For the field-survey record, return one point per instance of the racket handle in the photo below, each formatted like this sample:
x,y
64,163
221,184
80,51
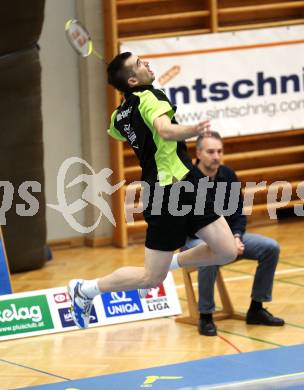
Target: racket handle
x,y
97,54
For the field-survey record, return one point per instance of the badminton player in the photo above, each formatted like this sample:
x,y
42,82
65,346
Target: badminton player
x,y
146,121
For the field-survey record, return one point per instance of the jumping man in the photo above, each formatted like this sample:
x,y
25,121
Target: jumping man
x,y
146,121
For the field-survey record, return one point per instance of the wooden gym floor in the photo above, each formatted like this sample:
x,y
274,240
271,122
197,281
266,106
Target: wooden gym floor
x,y
124,347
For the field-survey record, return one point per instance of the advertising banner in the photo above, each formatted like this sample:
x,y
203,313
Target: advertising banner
x,y
246,82
48,311
24,315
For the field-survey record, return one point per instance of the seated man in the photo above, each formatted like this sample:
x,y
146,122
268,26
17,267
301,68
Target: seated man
x,y
209,151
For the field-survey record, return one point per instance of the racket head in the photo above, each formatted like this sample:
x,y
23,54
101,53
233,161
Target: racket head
x,y
79,37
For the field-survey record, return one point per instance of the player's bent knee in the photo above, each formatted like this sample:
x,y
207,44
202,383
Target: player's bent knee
x,y
153,281
232,254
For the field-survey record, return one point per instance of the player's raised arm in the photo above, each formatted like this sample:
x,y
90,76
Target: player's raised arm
x,y
175,132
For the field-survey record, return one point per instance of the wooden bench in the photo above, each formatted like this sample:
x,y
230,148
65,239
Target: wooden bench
x,y
227,310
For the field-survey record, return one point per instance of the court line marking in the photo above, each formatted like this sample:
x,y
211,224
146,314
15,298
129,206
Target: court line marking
x,y
245,277
34,369
294,325
230,343
291,264
250,338
289,282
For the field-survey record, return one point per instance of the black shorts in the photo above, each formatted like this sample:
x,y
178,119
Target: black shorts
x,y
167,231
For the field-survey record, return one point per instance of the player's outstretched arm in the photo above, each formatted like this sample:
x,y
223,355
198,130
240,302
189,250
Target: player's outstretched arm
x,y
175,132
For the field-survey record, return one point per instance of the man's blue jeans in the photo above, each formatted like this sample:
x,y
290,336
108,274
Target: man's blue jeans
x,y
263,249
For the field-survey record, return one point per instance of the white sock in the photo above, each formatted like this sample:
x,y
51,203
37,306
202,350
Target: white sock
x,y
174,263
90,288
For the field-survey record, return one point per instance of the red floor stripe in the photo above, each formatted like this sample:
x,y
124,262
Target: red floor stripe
x,y
230,343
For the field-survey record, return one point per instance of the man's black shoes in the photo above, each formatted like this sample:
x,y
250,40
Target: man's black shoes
x,y
206,327
263,317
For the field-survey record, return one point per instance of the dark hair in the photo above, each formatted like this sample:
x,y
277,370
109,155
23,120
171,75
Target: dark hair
x,y
208,134
118,73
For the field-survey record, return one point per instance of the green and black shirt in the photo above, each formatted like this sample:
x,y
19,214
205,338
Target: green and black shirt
x,y
161,160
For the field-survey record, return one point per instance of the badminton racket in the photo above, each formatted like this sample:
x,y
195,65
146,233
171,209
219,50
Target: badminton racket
x,y
80,39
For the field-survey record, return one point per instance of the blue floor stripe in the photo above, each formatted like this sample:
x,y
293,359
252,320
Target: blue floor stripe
x,y
220,369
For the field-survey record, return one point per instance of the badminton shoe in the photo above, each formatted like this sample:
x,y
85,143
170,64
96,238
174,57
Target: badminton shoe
x,y
81,304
